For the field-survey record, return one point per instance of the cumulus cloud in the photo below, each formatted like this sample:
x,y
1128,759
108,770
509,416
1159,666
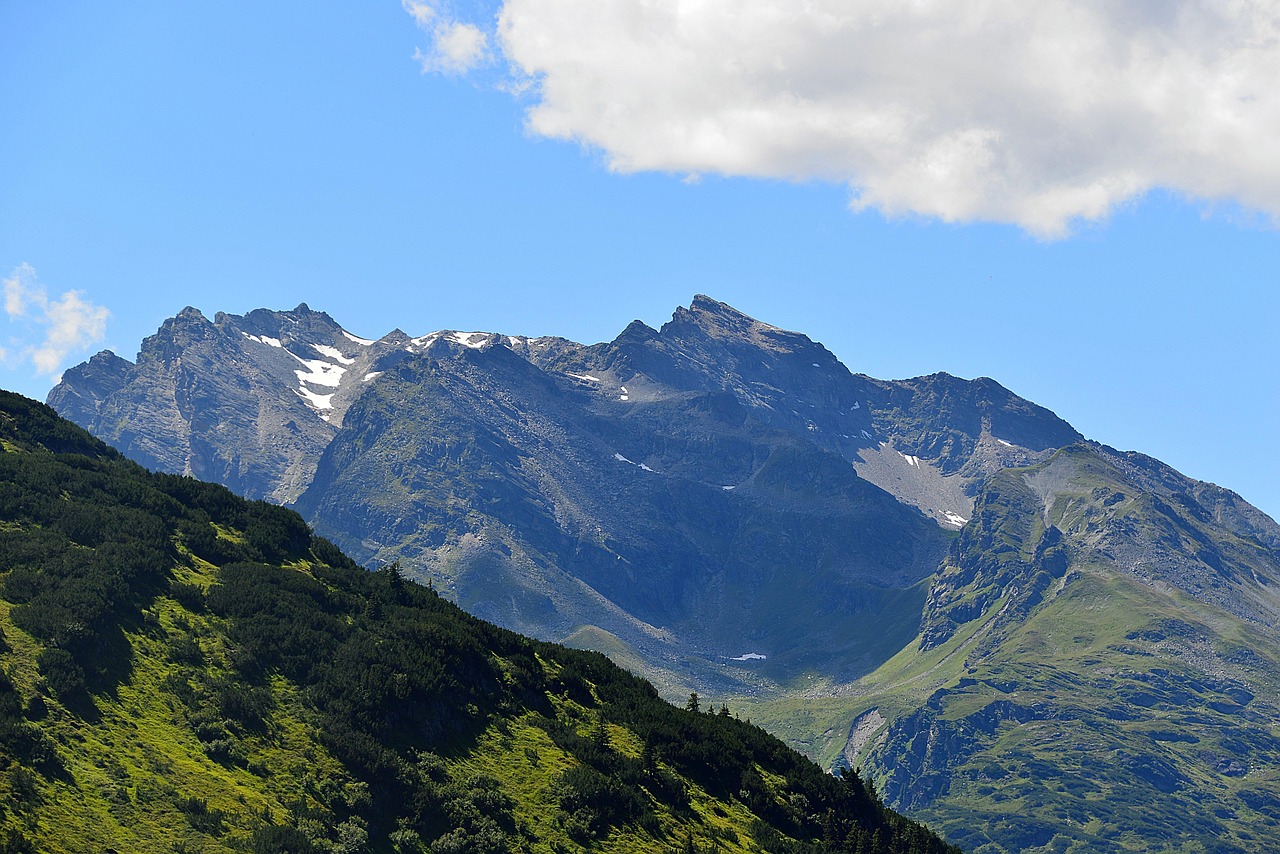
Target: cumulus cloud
x,y
64,325
1037,114
456,47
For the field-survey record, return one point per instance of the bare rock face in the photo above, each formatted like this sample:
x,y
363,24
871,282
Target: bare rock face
x,y
712,488
250,402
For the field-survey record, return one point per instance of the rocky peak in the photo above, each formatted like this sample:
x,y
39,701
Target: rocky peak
x,y
84,387
301,325
712,346
177,334
104,362
709,318
712,314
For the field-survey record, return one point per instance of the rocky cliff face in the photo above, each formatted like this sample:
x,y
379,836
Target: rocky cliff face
x,y
686,493
249,402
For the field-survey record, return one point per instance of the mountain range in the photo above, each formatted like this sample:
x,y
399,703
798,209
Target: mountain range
x,y
1033,640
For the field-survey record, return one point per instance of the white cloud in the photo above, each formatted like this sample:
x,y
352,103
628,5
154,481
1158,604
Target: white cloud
x,y
456,47
20,282
421,12
460,47
65,325
999,110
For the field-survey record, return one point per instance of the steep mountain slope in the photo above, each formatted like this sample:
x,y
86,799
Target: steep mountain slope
x,y
185,670
680,497
234,400
1098,669
953,433
672,519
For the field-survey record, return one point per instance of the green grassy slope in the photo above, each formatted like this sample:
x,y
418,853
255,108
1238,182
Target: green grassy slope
x,y
187,671
1096,672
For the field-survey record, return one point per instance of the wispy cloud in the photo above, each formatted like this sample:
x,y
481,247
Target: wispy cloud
x,y
61,326
456,46
1038,114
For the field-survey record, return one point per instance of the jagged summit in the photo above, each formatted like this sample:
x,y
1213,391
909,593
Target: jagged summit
x,y
249,401
717,419
209,389
711,312
721,320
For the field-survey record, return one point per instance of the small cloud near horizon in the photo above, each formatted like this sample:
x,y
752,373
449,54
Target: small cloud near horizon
x,y
68,324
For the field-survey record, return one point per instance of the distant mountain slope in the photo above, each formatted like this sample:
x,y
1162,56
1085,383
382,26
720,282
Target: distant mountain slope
x,y
672,519
185,670
1098,669
233,401
689,492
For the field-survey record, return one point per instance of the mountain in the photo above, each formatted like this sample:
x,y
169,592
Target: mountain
x,y
250,402
185,670
679,497
1032,640
1098,667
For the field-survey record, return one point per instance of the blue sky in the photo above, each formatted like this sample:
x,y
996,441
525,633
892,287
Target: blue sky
x,y
539,167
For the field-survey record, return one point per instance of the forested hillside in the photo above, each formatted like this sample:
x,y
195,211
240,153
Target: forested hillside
x,y
185,670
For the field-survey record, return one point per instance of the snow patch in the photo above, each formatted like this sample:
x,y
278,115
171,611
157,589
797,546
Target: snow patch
x,y
866,435
333,353
855,405
620,458
911,459
474,340
726,488
816,365
372,375
586,377
749,656
954,519
320,373
270,342
363,342
319,401
1006,444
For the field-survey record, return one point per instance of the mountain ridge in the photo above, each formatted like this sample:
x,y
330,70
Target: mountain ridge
x,y
727,508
